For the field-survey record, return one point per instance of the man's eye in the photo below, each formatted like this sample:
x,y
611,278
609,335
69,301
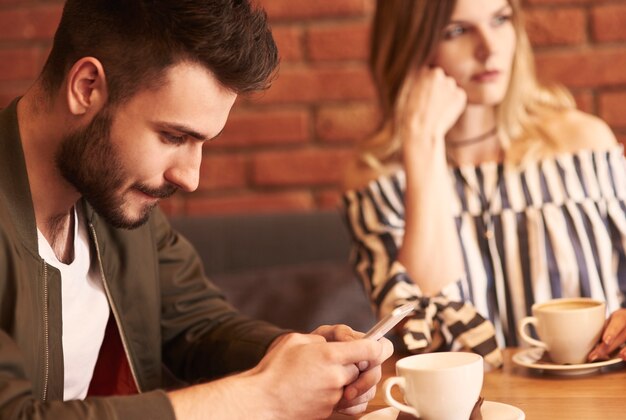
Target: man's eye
x,y
172,138
453,32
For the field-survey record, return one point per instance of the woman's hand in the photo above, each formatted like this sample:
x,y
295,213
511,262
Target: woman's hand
x,y
613,337
429,103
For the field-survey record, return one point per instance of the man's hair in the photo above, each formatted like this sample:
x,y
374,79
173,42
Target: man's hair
x,y
137,40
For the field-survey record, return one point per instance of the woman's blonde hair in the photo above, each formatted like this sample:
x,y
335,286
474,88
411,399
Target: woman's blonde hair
x,y
405,35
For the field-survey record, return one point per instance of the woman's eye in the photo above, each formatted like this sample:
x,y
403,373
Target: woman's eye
x,y
454,31
501,19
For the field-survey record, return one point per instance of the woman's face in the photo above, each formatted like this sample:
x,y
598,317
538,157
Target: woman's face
x,y
477,49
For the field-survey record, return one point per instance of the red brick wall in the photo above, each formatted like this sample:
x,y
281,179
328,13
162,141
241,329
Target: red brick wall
x,y
285,149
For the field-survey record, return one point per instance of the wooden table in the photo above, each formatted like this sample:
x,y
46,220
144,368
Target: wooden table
x,y
600,395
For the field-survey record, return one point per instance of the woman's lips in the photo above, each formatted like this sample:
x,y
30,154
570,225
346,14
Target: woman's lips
x,y
486,76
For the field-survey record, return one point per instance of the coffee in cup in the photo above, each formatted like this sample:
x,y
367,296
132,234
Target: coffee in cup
x,y
435,386
568,328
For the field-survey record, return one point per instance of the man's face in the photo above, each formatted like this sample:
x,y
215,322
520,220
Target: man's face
x,y
128,158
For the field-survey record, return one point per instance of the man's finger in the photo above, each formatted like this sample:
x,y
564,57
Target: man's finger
x,y
353,352
363,384
358,401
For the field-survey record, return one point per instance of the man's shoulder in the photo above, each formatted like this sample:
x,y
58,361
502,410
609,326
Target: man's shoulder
x,y
9,237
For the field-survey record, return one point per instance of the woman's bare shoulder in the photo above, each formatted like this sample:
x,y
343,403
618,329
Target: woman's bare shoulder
x,y
358,174
574,130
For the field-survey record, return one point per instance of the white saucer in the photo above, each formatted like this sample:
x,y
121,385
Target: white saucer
x,y
388,413
531,358
500,411
490,410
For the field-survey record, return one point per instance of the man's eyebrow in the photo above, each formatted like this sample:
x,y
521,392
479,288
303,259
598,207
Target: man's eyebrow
x,y
189,131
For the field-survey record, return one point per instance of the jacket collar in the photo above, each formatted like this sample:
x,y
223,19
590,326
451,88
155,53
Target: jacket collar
x,y
14,184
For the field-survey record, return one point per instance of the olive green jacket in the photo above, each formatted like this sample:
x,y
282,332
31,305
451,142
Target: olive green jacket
x,y
168,313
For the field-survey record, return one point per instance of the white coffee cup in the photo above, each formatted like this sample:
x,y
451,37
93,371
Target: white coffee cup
x,y
436,386
568,328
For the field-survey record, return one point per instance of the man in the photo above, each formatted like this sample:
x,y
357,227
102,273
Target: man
x,y
103,307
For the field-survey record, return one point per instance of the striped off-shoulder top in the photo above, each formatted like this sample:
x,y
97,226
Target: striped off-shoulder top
x,y
552,228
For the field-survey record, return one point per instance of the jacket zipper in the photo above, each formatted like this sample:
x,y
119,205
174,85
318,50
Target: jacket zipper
x,y
114,310
46,334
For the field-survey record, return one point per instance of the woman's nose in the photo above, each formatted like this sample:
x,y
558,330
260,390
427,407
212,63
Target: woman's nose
x,y
485,43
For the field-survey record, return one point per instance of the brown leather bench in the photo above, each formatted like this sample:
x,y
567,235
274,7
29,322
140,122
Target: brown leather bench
x,y
289,269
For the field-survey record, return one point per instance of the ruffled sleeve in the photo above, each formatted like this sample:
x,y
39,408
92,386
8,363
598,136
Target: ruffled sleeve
x,y
375,218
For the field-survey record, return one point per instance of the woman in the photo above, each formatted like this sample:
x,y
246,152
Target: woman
x,y
482,185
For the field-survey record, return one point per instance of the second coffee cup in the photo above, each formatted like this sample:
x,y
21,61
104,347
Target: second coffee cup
x,y
568,328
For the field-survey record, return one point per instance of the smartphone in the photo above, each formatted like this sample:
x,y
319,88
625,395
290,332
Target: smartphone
x,y
383,326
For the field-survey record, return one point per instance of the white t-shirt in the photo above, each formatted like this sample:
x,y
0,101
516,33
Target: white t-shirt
x,y
85,310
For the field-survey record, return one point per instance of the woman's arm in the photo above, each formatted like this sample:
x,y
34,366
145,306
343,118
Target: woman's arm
x,y
429,104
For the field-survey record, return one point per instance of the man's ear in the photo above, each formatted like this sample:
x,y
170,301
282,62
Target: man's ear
x,y
86,87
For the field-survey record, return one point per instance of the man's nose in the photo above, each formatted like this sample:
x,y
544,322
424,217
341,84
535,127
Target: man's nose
x,y
185,170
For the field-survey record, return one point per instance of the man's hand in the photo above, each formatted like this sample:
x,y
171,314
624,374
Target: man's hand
x,y
357,394
613,337
302,376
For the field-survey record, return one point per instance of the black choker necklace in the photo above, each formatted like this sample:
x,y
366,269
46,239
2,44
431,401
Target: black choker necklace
x,y
473,140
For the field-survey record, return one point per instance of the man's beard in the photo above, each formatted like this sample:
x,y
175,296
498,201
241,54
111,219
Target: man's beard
x,y
89,160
